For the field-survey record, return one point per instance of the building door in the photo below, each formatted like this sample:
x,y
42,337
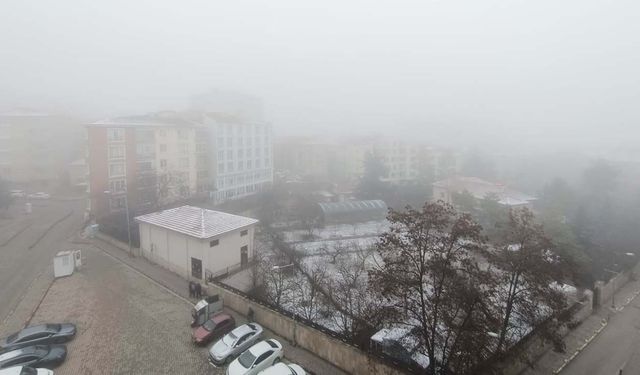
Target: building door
x,y
244,256
196,268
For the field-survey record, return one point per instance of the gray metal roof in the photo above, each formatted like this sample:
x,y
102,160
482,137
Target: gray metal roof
x,y
196,222
353,206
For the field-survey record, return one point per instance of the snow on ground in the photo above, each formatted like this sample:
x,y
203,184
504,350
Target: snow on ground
x,y
338,231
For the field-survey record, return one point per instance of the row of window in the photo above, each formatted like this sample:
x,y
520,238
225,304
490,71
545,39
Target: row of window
x,y
241,141
241,165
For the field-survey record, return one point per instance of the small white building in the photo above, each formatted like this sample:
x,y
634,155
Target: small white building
x,y
195,242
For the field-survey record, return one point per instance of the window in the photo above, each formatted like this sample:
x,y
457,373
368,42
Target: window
x,y
117,186
115,134
220,142
163,163
229,154
163,148
240,153
244,232
182,134
162,133
230,166
184,148
248,164
116,152
220,167
240,165
184,162
116,170
229,141
144,149
117,203
214,243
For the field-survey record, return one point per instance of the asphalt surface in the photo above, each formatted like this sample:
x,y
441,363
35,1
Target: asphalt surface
x,y
20,265
616,348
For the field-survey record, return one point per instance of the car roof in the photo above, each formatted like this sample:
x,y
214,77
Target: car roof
x,y
242,330
284,369
218,318
262,347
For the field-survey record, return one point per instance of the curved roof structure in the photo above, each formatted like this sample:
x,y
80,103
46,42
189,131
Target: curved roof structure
x,y
352,207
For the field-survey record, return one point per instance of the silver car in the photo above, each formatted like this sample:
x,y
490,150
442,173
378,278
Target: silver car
x,y
234,343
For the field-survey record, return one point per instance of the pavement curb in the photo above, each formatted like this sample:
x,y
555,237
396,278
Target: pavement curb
x,y
603,325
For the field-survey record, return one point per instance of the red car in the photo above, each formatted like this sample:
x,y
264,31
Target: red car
x,y
217,326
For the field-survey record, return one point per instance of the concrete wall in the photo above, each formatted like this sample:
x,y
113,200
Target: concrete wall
x,y
174,250
345,356
533,347
604,291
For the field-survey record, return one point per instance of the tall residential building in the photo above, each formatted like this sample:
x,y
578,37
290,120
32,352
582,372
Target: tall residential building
x,y
36,146
241,161
169,156
149,158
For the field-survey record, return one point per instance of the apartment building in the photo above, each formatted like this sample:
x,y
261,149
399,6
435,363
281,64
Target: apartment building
x,y
169,156
148,160
343,160
36,146
241,161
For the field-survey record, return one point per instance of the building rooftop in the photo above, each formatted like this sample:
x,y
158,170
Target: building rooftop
x,y
353,206
163,118
480,188
196,222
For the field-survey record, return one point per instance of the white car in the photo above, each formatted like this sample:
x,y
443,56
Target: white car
x,y
284,369
24,370
39,195
234,343
257,358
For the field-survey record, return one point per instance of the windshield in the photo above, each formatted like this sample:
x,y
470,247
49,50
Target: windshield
x,y
209,325
229,339
28,371
247,359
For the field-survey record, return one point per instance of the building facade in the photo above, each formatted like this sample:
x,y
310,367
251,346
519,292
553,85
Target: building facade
x,y
143,161
195,242
165,157
241,157
35,147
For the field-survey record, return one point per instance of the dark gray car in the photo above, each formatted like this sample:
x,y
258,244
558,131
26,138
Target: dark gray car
x,y
47,356
39,334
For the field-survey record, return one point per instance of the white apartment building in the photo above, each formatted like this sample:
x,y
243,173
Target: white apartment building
x,y
242,157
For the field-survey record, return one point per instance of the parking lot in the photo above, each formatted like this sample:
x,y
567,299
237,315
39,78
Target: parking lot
x,y
126,323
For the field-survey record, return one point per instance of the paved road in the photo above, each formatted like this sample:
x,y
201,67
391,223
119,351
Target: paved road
x,y
19,265
617,347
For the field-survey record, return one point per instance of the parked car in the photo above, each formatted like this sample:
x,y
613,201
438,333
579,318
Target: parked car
x,y
17,193
25,370
283,369
234,343
39,195
47,356
205,308
39,334
220,324
257,358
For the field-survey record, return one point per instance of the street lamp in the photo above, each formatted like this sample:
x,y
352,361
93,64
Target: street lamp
x,y
126,207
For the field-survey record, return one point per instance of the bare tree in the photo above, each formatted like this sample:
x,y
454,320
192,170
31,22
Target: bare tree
x,y
431,282
528,268
307,292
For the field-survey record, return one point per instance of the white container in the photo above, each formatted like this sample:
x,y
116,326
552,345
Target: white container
x,y
63,264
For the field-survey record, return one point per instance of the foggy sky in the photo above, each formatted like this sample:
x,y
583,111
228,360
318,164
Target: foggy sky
x,y
545,71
